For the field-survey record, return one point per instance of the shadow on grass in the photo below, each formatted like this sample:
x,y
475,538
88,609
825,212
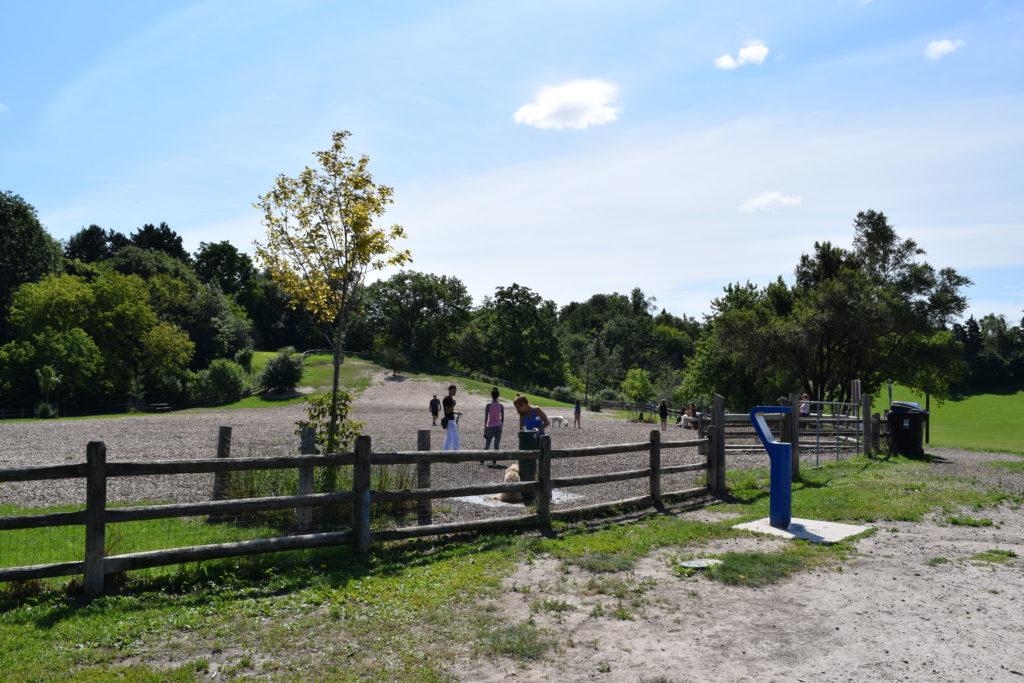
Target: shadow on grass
x,y
252,577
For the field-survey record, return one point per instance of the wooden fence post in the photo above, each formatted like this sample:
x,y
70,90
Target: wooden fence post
x,y
220,479
716,464
95,509
424,508
656,467
307,446
361,477
866,423
544,475
794,434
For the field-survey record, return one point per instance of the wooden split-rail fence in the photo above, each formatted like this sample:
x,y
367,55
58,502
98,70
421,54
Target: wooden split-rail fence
x,y
97,515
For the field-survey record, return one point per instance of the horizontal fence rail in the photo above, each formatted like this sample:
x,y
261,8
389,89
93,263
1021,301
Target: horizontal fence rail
x,y
97,514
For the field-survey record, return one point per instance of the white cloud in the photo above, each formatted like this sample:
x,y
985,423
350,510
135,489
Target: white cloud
x,y
726,62
754,52
3,107
937,49
768,201
577,104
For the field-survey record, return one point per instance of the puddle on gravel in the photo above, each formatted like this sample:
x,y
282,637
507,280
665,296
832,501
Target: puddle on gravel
x,y
557,496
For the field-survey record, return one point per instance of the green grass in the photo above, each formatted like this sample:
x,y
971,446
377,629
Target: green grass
x,y
863,490
969,521
406,611
936,561
602,562
995,556
1015,466
756,569
522,641
984,422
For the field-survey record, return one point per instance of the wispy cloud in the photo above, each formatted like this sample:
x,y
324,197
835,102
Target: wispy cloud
x,y
3,107
937,49
754,52
577,104
768,201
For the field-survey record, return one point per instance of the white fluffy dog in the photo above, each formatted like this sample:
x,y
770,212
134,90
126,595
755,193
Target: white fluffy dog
x,y
511,476
558,421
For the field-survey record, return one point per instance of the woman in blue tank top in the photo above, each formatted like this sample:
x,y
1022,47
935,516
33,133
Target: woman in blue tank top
x,y
533,418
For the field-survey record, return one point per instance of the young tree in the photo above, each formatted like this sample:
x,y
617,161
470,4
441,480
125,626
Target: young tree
x,y
321,242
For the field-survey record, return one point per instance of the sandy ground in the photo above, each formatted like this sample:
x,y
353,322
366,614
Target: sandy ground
x,y
883,616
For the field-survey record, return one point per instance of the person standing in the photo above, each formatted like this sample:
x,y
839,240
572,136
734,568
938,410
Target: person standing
x,y
532,418
435,408
494,420
449,421
576,415
663,413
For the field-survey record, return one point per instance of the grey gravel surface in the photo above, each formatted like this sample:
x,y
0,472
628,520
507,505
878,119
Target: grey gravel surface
x,y
393,411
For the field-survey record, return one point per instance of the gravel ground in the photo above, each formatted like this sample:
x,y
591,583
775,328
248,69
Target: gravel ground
x,y
393,410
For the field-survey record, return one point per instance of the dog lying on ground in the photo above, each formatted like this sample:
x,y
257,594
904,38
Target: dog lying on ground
x,y
558,421
511,476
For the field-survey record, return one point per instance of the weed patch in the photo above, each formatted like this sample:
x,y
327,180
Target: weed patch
x,y
969,521
602,562
755,569
522,641
995,556
936,561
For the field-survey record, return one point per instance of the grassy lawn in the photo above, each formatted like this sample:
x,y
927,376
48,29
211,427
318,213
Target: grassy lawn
x,y
401,613
985,422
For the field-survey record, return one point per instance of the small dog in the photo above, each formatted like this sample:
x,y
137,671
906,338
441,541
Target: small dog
x,y
511,476
558,421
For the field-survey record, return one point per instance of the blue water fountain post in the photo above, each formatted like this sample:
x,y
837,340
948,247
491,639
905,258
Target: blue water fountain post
x,y
780,502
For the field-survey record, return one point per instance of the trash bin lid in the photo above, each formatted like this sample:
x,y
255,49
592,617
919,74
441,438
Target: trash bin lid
x,y
907,407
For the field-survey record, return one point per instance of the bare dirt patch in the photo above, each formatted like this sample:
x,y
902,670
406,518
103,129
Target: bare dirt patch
x,y
886,615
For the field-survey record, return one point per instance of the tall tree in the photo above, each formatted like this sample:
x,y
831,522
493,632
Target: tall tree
x,y
160,238
321,241
27,252
872,313
223,264
93,244
418,313
518,330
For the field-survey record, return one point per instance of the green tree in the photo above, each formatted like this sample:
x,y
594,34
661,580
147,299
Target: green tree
x,y
222,263
94,244
27,252
637,386
871,313
321,241
518,328
160,238
419,314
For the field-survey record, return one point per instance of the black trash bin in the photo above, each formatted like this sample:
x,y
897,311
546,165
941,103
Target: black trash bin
x,y
906,428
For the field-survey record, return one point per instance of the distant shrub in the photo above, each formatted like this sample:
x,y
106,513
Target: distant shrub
x,y
244,358
46,411
283,372
394,360
609,395
222,380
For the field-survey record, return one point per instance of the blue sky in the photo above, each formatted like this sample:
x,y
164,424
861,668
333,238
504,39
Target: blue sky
x,y
573,147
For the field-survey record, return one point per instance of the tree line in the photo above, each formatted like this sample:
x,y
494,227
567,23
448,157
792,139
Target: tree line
x,y
105,316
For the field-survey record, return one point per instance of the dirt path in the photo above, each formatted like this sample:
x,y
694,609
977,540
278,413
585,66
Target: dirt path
x,y
886,615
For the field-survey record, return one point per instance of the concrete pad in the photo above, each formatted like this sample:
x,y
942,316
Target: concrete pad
x,y
806,530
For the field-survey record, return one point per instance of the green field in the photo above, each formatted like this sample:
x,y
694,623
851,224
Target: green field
x,y
404,612
985,422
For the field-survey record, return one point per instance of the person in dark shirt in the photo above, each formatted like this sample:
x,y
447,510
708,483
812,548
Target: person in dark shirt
x,y
663,413
435,409
450,421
